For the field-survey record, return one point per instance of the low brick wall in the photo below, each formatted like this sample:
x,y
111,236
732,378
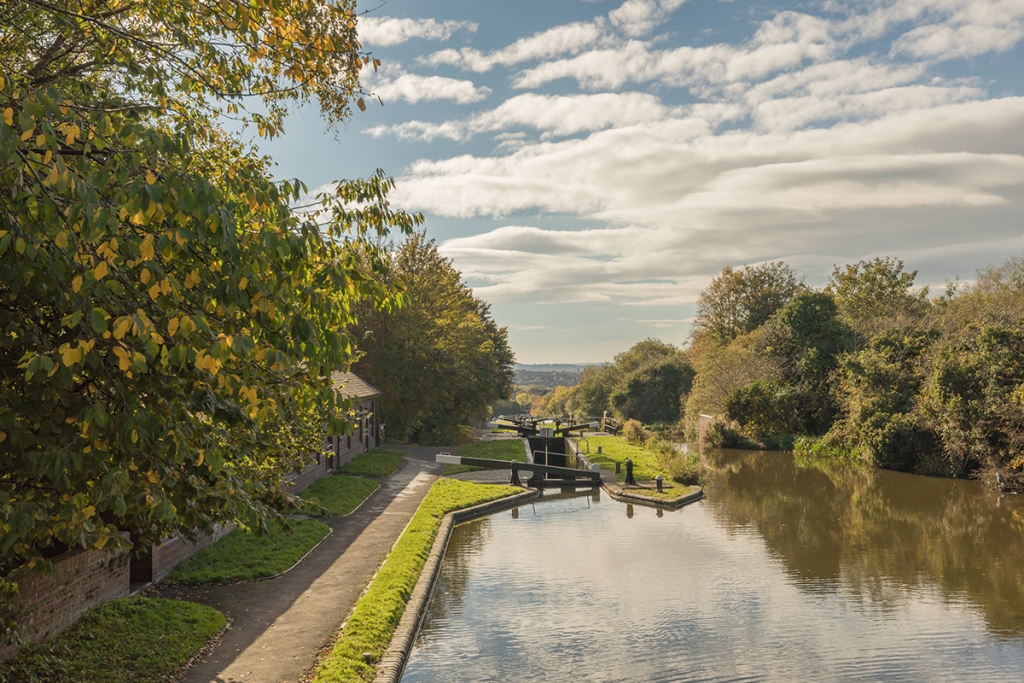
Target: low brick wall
x,y
80,580
173,551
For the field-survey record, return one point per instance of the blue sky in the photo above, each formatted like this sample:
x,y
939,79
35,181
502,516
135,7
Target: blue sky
x,y
590,165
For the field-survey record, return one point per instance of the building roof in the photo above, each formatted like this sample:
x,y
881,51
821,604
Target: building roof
x,y
352,386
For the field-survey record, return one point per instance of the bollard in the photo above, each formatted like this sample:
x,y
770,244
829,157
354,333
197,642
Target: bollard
x,y
629,511
630,480
599,449
618,467
659,481
515,474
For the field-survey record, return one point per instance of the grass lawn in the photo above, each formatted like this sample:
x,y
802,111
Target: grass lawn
x,y
677,491
378,612
242,556
646,464
128,640
340,494
507,449
380,462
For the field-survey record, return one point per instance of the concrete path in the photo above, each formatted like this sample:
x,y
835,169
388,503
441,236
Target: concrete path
x,y
279,625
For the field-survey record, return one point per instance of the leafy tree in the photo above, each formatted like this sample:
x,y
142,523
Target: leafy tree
x,y
596,385
879,390
643,353
441,360
767,409
652,393
873,295
169,321
739,301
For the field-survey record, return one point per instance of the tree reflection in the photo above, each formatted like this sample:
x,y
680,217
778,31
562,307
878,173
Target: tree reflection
x,y
877,535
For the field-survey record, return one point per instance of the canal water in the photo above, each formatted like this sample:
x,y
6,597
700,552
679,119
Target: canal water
x,y
789,570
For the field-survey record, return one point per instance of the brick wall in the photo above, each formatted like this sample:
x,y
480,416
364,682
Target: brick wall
x,y
173,551
80,580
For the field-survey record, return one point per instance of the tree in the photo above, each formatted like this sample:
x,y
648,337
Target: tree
x,y
739,301
169,320
873,295
653,393
596,384
440,361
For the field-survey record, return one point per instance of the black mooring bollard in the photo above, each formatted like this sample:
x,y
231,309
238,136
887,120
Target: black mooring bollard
x,y
660,482
618,467
515,474
629,472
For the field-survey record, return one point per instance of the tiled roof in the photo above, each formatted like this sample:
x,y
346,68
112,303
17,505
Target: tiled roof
x,y
351,386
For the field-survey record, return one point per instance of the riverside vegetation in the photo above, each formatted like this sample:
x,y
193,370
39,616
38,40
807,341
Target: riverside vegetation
x,y
870,367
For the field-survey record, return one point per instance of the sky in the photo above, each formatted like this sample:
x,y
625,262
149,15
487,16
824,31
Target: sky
x,y
590,165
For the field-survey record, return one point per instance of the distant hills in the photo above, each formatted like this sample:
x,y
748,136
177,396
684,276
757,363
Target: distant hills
x,y
545,377
551,367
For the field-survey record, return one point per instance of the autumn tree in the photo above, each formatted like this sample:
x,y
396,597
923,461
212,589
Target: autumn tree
x,y
877,294
439,361
739,300
169,318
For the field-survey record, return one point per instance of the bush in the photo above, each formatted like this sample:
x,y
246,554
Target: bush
x,y
634,432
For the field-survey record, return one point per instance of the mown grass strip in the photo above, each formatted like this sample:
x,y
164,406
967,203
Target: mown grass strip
x,y
128,640
340,494
380,462
646,464
242,556
503,449
376,615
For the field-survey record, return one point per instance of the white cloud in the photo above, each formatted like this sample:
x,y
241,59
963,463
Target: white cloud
x,y
413,88
638,17
553,115
565,39
388,31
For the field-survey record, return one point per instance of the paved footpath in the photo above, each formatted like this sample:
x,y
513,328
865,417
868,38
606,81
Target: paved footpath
x,y
279,625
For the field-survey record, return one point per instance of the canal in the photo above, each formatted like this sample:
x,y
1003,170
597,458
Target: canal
x,y
789,570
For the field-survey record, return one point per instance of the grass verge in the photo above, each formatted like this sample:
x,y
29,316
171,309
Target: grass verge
x,y
127,640
242,556
380,462
376,615
340,494
646,464
511,449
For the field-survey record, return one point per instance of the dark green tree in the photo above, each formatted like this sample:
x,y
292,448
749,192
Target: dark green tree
x,y
440,360
877,294
653,392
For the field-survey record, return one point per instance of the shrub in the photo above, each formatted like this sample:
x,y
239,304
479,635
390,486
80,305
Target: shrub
x,y
634,432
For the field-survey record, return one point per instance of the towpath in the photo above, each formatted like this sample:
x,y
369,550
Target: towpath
x,y
279,625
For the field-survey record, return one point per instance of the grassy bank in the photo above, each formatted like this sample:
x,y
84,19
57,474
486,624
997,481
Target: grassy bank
x,y
376,615
649,460
504,449
378,463
242,556
128,640
340,494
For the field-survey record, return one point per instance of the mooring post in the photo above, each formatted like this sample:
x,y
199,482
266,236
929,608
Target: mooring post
x,y
629,472
515,474
618,466
659,481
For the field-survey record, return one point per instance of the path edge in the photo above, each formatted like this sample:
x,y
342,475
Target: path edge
x,y
392,665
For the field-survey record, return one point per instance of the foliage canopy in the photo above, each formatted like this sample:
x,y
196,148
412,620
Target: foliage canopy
x,y
169,318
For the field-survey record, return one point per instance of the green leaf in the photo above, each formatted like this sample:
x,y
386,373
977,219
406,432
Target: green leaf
x,y
98,319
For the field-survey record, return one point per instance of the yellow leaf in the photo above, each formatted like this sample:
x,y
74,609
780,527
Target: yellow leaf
x,y
40,140
243,283
52,178
153,477
71,356
47,157
150,178
135,436
122,327
100,271
89,510
9,116
28,134
3,437
165,286
187,324
147,248
139,218
202,455
172,327
123,360
179,238
154,291
144,276
361,104
61,240
76,283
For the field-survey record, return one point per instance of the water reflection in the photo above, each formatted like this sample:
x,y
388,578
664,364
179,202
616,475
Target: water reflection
x,y
877,534
788,570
